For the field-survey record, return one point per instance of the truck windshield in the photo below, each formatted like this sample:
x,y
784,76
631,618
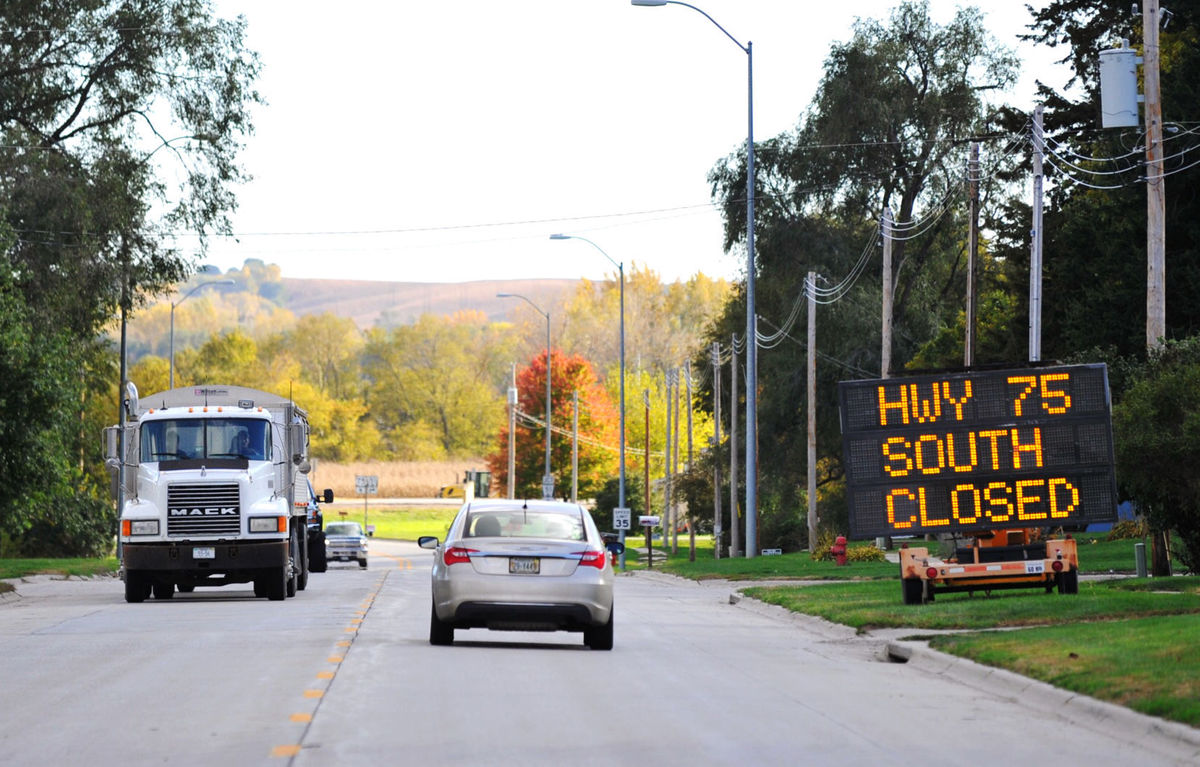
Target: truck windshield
x,y
186,438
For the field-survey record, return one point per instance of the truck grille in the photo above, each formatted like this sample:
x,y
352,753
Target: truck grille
x,y
203,510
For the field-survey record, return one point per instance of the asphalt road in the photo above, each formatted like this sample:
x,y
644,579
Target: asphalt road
x,y
343,675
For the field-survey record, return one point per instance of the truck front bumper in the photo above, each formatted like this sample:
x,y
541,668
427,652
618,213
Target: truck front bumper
x,y
227,556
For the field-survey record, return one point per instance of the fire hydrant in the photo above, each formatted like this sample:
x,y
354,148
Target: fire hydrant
x,y
838,549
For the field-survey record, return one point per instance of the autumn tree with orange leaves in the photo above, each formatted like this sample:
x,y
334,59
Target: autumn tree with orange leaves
x,y
599,421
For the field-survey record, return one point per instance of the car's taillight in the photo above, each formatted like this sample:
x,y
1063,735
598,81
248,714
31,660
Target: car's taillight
x,y
456,554
592,558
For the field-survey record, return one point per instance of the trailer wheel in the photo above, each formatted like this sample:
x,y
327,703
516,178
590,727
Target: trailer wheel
x,y
913,590
1068,582
163,589
137,586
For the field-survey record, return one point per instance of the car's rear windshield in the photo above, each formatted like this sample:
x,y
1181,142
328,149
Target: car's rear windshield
x,y
521,523
343,528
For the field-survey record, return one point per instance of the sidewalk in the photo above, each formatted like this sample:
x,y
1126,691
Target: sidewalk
x,y
898,646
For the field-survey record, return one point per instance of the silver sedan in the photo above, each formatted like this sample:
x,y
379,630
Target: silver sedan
x,y
513,565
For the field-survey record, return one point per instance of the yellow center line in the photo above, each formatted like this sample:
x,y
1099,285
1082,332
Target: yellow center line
x,y
291,750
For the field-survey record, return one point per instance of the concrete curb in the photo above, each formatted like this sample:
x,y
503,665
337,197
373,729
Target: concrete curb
x,y
1182,741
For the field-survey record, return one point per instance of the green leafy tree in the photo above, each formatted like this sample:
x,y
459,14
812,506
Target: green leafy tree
x,y
435,387
1156,431
888,127
1094,284
120,121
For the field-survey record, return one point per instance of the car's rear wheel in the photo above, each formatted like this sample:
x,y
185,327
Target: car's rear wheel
x,y
600,637
440,632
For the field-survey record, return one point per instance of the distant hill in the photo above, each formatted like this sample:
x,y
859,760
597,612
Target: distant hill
x,y
370,302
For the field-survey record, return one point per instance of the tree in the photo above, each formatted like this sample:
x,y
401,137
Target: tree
x,y
888,127
1095,216
434,387
598,424
1156,431
101,102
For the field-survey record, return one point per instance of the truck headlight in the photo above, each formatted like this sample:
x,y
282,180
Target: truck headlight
x,y
268,524
143,527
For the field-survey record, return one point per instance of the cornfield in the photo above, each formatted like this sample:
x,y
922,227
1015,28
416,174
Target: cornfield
x,y
397,479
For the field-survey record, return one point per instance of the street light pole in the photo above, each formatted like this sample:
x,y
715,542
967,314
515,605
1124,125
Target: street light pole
x,y
547,478
171,382
620,276
751,325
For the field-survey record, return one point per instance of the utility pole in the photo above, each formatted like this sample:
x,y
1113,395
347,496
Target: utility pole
x,y
716,365
646,468
972,254
811,284
885,352
575,447
735,530
687,372
1035,241
512,428
1156,309
675,465
1156,201
668,506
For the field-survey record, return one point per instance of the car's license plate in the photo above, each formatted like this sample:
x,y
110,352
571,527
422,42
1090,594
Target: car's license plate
x,y
526,565
204,552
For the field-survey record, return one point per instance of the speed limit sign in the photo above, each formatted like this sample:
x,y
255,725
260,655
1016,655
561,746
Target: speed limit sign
x,y
622,519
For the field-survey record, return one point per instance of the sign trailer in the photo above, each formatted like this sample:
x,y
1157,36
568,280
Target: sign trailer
x,y
995,454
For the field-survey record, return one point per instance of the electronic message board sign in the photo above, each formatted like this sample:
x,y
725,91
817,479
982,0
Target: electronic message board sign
x,y
979,450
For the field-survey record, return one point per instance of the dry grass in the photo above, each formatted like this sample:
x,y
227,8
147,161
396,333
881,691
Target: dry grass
x,y
397,479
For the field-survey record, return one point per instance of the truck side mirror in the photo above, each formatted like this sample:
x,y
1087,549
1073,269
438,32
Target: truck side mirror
x,y
327,496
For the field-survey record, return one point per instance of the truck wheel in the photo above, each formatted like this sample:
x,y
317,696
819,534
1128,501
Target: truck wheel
x,y
316,554
293,566
440,632
276,586
137,586
186,588
302,575
1068,582
163,590
362,563
913,590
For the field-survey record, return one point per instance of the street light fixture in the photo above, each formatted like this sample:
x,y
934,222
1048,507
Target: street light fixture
x,y
621,277
547,477
751,325
171,383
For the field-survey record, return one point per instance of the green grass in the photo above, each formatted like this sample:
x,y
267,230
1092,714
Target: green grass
x,y
402,523
877,604
798,565
17,568
1097,555
1122,661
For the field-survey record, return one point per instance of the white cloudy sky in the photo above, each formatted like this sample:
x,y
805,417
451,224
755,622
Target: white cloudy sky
x,y
443,141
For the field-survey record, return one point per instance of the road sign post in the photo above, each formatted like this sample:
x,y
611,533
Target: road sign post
x,y
365,485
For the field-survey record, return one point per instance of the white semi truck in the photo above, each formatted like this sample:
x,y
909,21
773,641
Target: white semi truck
x,y
209,480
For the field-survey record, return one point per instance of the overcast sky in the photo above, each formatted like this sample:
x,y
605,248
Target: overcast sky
x,y
444,141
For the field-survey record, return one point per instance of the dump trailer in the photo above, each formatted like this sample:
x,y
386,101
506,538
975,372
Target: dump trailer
x,y
1000,559
208,480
